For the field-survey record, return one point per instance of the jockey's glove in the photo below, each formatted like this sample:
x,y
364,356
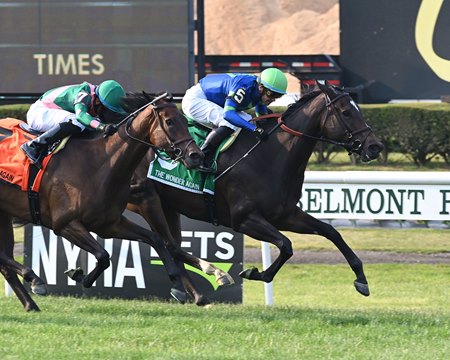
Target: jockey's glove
x,y
261,134
109,130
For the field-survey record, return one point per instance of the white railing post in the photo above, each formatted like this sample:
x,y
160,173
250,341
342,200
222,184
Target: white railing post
x,y
8,289
266,262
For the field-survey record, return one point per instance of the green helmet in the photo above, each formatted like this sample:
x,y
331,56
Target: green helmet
x,y
274,80
110,93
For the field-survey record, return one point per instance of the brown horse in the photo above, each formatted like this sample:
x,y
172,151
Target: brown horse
x,y
259,195
85,189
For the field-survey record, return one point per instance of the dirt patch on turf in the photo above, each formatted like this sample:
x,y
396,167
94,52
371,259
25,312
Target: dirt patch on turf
x,y
253,255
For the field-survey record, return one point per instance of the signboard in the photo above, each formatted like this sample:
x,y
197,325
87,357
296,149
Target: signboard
x,y
144,45
395,49
377,195
136,270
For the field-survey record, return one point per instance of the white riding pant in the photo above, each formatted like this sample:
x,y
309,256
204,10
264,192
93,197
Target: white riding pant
x,y
198,108
42,118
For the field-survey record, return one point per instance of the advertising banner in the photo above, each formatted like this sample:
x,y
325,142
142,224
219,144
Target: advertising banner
x,y
377,195
136,270
144,45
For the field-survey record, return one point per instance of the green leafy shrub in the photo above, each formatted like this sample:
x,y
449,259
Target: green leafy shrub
x,y
18,111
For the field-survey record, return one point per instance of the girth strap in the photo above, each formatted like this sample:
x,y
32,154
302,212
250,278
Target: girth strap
x,y
33,196
211,207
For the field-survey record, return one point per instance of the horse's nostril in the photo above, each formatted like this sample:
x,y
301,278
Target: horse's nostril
x,y
197,156
375,148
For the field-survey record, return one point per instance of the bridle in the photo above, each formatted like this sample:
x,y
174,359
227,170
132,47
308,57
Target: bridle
x,y
175,151
351,145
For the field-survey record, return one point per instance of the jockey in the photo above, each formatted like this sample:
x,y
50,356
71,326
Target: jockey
x,y
69,110
218,101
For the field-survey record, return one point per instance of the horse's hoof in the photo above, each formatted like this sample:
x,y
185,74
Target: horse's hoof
x,y
178,295
362,288
39,289
31,307
225,280
202,301
75,274
248,273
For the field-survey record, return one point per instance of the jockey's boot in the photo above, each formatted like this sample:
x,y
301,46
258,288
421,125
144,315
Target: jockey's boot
x,y
37,149
209,147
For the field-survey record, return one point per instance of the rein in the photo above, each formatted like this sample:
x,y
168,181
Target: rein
x,y
253,147
350,146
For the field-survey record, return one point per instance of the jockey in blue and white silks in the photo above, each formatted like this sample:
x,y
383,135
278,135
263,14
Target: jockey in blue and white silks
x,y
218,102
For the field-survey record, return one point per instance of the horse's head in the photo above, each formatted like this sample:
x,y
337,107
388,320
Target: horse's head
x,y
167,130
344,123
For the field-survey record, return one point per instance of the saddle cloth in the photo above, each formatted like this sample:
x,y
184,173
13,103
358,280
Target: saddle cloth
x,y
14,164
177,175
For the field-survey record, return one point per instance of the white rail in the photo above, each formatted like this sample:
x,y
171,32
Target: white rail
x,y
398,195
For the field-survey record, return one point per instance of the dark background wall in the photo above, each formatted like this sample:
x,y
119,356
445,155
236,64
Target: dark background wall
x,y
379,49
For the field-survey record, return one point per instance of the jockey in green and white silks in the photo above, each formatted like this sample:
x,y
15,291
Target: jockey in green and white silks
x,y
218,102
69,110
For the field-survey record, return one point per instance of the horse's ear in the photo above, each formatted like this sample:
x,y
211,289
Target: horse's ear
x,y
324,86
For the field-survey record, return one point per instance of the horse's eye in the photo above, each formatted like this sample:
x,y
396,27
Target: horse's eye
x,y
346,113
169,122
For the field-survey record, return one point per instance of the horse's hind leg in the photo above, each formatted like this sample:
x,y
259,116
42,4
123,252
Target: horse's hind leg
x,y
303,223
257,227
173,242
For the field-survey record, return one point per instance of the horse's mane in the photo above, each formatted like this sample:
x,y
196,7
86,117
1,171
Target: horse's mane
x,y
301,102
135,100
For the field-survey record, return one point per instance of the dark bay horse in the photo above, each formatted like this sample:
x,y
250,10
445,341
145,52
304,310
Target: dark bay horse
x,y
85,189
259,196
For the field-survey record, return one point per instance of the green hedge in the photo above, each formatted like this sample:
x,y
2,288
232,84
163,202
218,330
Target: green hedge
x,y
15,111
419,130
422,130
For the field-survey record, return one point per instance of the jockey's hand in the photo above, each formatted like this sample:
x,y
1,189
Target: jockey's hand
x,y
109,130
261,134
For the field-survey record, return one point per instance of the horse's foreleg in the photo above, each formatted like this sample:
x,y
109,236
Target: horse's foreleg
x,y
37,285
19,289
78,235
258,228
125,229
166,223
11,268
172,236
303,223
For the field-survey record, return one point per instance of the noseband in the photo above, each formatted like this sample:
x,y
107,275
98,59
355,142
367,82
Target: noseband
x,y
351,145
